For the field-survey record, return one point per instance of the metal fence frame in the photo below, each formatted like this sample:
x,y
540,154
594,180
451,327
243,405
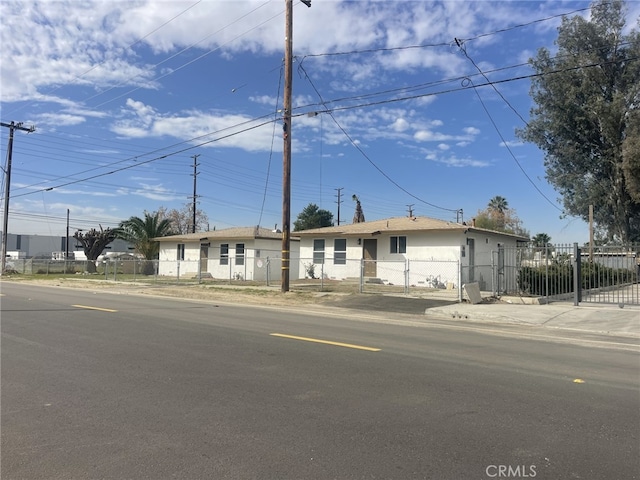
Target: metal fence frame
x,y
609,275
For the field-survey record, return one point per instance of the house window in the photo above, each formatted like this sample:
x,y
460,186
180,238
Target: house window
x,y
180,251
340,251
18,242
239,253
224,254
318,251
398,244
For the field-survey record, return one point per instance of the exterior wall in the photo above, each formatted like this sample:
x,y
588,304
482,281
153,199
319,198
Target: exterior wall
x,y
261,260
422,248
487,245
432,259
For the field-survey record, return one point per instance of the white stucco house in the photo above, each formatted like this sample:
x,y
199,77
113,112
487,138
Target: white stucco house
x,y
239,253
416,250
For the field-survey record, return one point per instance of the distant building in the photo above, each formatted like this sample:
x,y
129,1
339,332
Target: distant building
x,y
54,248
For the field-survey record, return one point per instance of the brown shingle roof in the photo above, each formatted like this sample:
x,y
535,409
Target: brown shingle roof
x,y
236,233
395,225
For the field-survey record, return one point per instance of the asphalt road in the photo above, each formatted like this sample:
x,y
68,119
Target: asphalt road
x,y
104,386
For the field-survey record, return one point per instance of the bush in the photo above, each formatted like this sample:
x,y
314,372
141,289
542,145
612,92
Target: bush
x,y
533,280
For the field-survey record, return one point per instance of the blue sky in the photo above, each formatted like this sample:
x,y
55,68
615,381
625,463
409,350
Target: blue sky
x,y
123,94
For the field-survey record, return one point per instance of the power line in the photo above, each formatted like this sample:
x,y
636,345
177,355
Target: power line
x,y
131,45
504,142
273,136
357,147
443,44
200,57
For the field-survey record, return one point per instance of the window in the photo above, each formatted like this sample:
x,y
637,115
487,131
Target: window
x,y
224,254
239,253
18,242
340,251
398,245
318,251
180,251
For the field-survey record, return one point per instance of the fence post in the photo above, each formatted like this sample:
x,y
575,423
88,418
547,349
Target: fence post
x,y
406,276
268,267
577,284
546,275
494,274
459,281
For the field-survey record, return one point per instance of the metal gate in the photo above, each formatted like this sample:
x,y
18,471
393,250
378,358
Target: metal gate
x,y
608,274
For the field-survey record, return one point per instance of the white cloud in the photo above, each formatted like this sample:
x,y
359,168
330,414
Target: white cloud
x,y
453,161
400,125
511,143
443,146
59,119
209,129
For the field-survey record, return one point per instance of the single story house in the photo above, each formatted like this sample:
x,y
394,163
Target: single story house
x,y
415,250
239,253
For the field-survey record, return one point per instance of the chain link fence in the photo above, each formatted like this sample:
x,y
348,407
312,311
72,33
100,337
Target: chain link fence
x,y
554,272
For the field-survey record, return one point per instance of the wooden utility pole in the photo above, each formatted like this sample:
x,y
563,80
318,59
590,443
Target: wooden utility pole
x,y
7,175
286,134
286,156
195,196
339,190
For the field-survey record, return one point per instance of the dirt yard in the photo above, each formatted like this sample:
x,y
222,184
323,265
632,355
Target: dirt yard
x,y
216,293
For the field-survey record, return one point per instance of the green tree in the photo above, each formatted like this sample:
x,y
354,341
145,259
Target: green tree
x,y
140,232
94,242
498,204
586,108
313,217
541,240
497,208
499,218
631,156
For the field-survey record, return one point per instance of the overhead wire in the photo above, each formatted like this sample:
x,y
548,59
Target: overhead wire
x,y
200,57
273,136
357,147
406,98
131,45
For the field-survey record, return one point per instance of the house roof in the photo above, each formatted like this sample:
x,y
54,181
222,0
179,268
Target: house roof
x,y
397,225
235,233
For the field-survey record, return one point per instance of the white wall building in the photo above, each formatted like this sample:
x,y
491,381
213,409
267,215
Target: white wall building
x,y
242,253
418,250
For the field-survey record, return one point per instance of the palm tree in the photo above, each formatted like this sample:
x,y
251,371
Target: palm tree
x,y
542,243
358,216
141,232
498,204
541,240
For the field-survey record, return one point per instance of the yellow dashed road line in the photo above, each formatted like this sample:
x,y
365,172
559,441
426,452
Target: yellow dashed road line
x,y
95,308
326,342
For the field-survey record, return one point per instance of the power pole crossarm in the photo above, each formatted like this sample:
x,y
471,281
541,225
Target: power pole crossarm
x,y
5,224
